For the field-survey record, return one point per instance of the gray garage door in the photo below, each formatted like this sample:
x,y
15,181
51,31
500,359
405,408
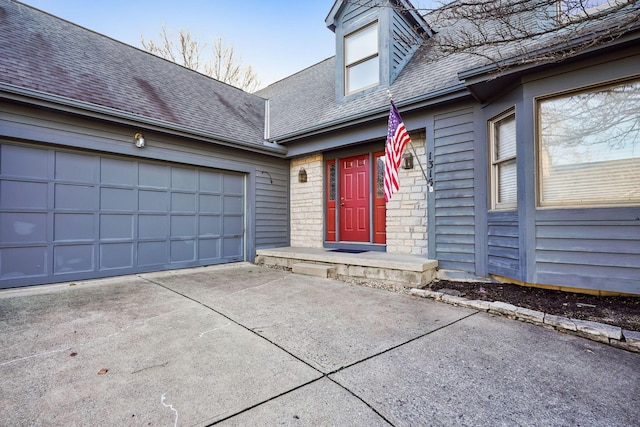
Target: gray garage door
x,y
68,215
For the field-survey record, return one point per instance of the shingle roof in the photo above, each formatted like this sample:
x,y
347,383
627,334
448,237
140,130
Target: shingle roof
x,y
50,55
306,101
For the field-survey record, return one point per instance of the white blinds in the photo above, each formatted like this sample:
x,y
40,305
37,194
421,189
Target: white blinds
x,y
589,151
505,173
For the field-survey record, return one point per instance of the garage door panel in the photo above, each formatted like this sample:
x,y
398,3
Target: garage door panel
x,y
74,167
116,256
23,262
210,204
73,196
211,182
183,225
183,251
118,199
23,162
70,227
233,184
23,195
23,227
73,259
209,249
152,253
153,227
77,215
184,179
232,247
209,225
233,226
183,202
152,200
116,226
152,175
233,204
118,172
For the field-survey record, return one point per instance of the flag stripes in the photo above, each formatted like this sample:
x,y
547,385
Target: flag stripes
x,y
397,139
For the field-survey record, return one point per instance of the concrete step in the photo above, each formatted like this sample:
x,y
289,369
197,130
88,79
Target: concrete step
x,y
408,271
317,270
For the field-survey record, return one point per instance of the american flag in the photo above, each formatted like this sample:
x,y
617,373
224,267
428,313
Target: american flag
x,y
397,138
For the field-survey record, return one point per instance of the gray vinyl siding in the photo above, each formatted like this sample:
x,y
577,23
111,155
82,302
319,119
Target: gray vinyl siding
x,y
272,205
404,44
357,11
503,244
593,249
454,190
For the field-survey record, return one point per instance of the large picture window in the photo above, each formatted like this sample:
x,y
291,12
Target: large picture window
x,y
504,172
361,60
589,147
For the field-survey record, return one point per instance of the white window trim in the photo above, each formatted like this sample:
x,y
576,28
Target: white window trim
x,y
495,163
346,65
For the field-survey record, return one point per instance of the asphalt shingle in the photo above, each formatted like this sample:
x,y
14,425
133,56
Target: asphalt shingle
x,y
307,100
47,54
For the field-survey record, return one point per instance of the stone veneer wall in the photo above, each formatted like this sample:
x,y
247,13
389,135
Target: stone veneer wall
x,y
407,209
307,203
406,212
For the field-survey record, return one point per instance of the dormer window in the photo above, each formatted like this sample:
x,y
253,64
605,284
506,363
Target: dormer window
x,y
361,59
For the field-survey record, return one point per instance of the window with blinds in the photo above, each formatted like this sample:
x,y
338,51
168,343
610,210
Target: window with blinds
x,y
589,147
504,173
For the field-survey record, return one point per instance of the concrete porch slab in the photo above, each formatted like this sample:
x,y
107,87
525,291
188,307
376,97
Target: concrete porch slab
x,y
407,270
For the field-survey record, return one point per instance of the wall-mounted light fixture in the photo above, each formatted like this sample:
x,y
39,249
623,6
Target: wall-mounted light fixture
x,y
302,175
138,140
407,160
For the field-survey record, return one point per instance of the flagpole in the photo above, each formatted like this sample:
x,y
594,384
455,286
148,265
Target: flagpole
x,y
420,164
414,152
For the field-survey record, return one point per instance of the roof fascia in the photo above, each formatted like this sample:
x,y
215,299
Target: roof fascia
x,y
405,7
433,98
410,11
93,111
330,20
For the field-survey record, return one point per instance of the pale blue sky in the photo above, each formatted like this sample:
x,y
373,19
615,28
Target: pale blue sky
x,y
276,37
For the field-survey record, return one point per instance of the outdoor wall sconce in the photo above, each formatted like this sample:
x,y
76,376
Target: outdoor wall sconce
x,y
138,140
407,161
302,175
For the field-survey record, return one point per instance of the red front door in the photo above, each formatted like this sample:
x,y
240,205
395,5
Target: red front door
x,y
355,199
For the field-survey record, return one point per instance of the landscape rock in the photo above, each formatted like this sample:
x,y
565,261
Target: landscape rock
x,y
435,295
477,304
455,300
560,322
598,330
527,315
500,307
418,292
632,339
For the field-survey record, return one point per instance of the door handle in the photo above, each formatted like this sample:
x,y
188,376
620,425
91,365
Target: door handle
x,y
341,204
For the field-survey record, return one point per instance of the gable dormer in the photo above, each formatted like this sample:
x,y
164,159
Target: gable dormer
x,y
374,41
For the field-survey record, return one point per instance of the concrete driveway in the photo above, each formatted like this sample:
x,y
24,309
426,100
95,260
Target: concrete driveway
x,y
243,345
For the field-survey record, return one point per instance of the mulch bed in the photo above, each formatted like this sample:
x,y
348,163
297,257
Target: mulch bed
x,y
616,311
